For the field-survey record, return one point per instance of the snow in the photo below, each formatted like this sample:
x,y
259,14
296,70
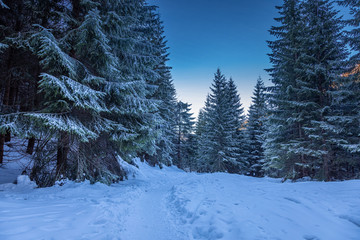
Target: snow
x,y
171,204
15,161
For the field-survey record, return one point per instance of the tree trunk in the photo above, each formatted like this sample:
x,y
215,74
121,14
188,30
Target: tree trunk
x,y
179,148
326,167
12,95
30,146
7,84
7,91
62,152
6,99
8,136
76,9
2,141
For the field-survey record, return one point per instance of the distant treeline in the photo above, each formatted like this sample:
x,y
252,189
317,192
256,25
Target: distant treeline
x,y
308,123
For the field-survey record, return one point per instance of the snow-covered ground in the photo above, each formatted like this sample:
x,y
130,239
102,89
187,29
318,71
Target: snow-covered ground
x,y
15,161
170,204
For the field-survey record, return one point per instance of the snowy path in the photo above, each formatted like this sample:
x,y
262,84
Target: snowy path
x,y
169,204
149,218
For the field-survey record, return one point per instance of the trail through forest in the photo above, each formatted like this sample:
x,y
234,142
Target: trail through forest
x,y
172,204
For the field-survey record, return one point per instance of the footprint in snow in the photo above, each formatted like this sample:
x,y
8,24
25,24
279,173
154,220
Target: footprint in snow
x,y
292,200
310,237
99,222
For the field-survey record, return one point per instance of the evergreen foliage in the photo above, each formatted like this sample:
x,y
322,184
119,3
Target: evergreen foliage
x,y
236,123
255,131
165,95
184,131
99,85
219,128
352,36
303,136
132,110
285,120
86,84
347,100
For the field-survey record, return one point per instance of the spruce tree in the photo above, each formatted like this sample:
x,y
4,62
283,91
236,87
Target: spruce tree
x,y
236,122
132,109
352,36
219,150
23,21
184,130
347,100
323,61
285,114
165,95
255,131
202,141
218,131
94,77
75,65
305,80
15,69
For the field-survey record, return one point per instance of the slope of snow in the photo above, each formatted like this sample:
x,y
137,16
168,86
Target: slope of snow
x,y
170,204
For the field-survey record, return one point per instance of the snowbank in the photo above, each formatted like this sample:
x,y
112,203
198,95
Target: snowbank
x,y
171,204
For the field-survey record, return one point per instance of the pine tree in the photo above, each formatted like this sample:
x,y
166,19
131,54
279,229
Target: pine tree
x,y
95,74
165,95
96,160
347,101
201,139
353,36
323,61
236,124
255,131
305,81
219,150
184,130
218,133
10,71
133,112
75,71
285,119
20,66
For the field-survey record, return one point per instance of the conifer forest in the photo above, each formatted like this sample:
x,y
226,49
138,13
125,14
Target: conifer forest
x,y
121,120
85,87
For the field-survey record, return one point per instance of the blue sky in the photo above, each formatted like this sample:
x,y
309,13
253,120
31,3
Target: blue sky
x,y
206,34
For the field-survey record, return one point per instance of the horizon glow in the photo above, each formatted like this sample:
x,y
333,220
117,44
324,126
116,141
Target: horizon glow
x,y
204,35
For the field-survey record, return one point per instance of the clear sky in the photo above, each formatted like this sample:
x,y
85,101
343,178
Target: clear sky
x,y
206,34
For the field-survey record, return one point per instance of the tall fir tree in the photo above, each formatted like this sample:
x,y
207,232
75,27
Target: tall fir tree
x,y
347,100
184,130
218,149
303,99
285,119
255,131
94,75
201,139
324,57
165,95
352,36
236,123
17,66
133,109
58,79
74,92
